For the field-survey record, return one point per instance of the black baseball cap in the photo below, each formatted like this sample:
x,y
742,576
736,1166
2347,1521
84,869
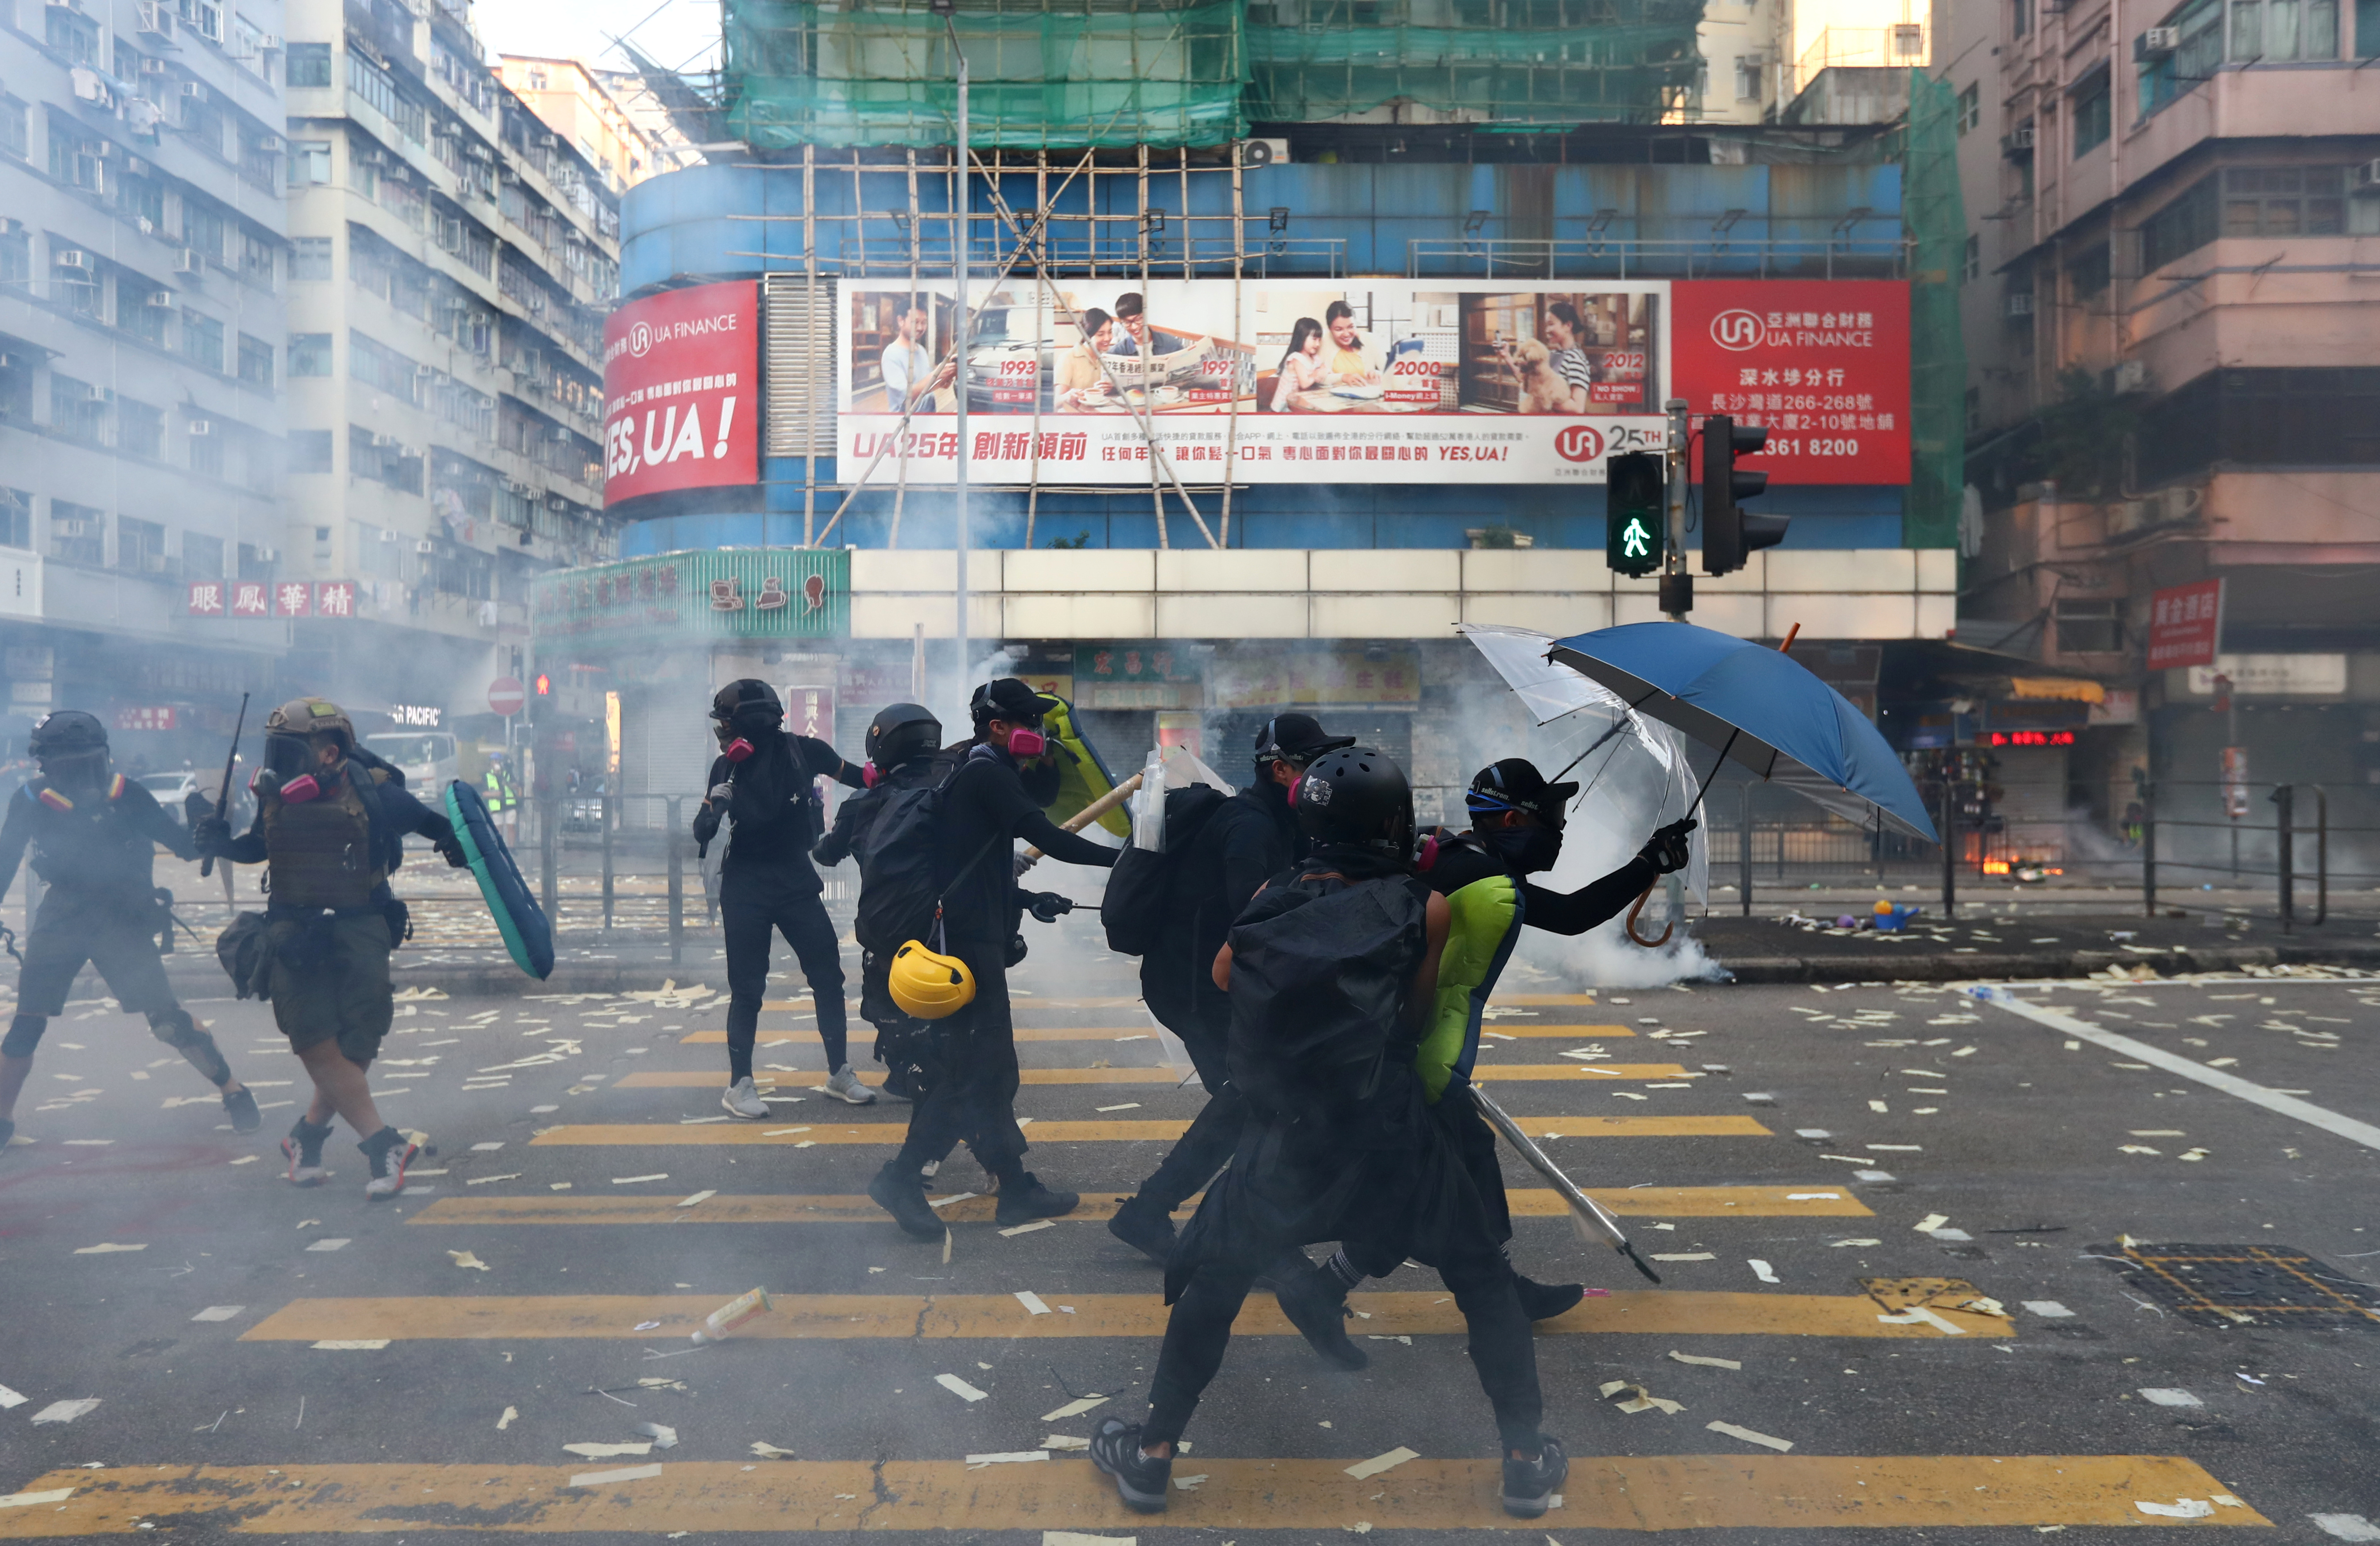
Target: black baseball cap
x,y
1297,738
1011,700
1516,783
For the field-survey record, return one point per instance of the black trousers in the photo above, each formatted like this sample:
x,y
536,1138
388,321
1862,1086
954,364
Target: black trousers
x,y
1474,1270
751,914
1205,1029
973,1097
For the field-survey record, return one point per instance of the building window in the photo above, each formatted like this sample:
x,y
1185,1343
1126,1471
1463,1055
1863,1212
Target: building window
x,y
255,362
140,430
77,412
1971,108
2094,112
15,388
15,137
256,259
309,450
139,545
2090,627
373,85
2284,202
202,340
142,308
1974,266
382,368
383,459
202,229
309,258
2089,271
206,450
2367,29
309,161
310,354
202,557
15,519
309,64
1748,71
16,258
2019,18
2270,31
2200,50
71,33
2181,227
77,534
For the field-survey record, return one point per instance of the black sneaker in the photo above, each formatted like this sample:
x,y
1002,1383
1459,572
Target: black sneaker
x,y
1529,1485
904,1197
1543,1301
387,1152
1140,1481
241,1104
1316,1306
1023,1199
1145,1228
304,1149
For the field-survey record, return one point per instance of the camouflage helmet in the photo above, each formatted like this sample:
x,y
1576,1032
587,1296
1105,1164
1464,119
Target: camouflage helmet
x,y
311,716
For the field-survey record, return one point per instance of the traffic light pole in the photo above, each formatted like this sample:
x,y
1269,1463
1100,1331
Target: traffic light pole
x,y
1677,584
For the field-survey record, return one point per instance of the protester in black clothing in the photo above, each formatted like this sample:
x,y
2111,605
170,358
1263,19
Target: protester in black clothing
x,y
1249,839
987,807
904,745
94,836
1332,970
762,781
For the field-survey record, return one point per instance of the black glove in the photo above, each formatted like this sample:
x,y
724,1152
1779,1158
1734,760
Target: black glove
x,y
1047,906
450,847
706,826
1015,949
210,835
196,807
1667,852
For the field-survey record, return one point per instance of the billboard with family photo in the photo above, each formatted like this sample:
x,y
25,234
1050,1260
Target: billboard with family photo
x,y
1364,379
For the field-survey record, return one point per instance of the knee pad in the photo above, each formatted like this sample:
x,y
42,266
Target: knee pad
x,y
175,1028
24,1035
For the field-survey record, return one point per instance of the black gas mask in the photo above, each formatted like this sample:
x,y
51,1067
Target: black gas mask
x,y
1525,851
74,773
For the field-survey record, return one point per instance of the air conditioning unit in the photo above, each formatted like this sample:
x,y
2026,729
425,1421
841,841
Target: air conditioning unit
x,y
561,435
190,260
2157,42
266,554
152,563
383,443
161,299
202,428
425,546
153,66
423,373
135,168
2020,303
155,18
192,92
2365,181
2018,142
269,40
2129,376
73,258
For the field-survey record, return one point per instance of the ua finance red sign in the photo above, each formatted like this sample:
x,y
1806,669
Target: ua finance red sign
x,y
1822,364
681,391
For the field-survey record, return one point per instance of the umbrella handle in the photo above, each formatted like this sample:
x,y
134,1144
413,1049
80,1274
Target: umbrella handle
x,y
1631,924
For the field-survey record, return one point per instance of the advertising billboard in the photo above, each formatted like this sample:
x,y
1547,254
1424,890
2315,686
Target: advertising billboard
x,y
681,391
2186,624
1389,381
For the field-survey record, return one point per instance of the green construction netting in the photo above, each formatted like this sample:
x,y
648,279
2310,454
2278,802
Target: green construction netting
x,y
1937,355
1074,75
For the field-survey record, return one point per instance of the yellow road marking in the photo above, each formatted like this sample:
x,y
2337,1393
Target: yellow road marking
x,y
1025,1004
659,1135
1623,1492
1506,1072
861,1036
1667,1202
840,1317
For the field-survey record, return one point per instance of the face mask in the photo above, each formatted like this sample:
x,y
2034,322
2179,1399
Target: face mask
x,y
299,790
1525,849
1026,743
868,775
1291,793
736,749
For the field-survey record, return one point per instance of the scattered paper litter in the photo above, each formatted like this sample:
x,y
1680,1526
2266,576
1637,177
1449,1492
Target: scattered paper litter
x,y
1008,1457
1075,1408
1190,1484
105,1249
1931,1222
781,1132
1862,1241
770,1452
1128,1105
1378,1463
2159,1395
26,1500
1643,1401
1076,1537
1748,1436
1032,1302
626,1473
1814,1197
958,1387
351,1344
954,1197
1029,1228
632,1180
1701,1362
329,1243
1762,1270
662,1435
607,1452
213,1312
2048,1309
2180,1508
483,1180
2345,1526
10,1398
66,1411
696,1198
1063,1441
464,1259
1688,1256
1918,1315
512,1414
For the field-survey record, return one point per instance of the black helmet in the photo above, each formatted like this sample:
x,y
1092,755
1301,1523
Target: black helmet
x,y
1296,738
67,733
747,704
1357,795
1008,699
901,731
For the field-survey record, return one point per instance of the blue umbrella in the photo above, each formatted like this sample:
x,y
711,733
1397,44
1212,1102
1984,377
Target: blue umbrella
x,y
1758,707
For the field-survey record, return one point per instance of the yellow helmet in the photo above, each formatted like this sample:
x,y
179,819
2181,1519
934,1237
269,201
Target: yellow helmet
x,y
929,986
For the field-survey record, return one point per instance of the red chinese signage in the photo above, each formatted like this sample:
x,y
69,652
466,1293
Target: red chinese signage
x,y
2185,625
145,719
281,598
681,391
1822,364
207,597
251,598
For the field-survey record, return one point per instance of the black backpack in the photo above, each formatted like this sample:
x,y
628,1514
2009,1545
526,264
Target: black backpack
x,y
1320,968
1139,900
898,856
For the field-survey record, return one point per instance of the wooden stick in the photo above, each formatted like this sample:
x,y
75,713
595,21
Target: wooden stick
x,y
1090,812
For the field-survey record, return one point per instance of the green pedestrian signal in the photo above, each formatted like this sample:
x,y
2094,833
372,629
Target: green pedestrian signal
x,y
1635,513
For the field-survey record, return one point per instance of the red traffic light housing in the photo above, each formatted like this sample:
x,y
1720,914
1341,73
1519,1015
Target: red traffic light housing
x,y
545,685
1732,534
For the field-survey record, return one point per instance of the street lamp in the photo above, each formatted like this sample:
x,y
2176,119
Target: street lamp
x,y
943,8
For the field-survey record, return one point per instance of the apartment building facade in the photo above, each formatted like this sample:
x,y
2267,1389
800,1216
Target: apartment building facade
x,y
2168,303
452,259
575,102
144,267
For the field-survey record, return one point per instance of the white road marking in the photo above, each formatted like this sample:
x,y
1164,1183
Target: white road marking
x,y
2306,1112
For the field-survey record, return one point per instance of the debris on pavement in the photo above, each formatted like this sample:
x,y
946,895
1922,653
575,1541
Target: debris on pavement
x,y
1378,1463
1007,1457
466,1260
66,1411
2180,1508
770,1452
628,1473
1032,1302
1701,1362
959,1387
512,1414
734,1313
662,1435
1749,1437
607,1452
1075,1409
1642,1401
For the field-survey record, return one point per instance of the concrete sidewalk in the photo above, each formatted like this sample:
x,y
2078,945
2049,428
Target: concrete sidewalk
x,y
1769,950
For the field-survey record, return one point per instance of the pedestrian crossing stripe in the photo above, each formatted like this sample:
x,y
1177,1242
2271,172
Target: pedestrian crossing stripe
x,y
665,1135
1618,1492
551,1208
1025,1003
860,1035
846,1317
1568,1073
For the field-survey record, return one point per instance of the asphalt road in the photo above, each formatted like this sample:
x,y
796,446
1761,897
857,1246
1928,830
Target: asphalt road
x,y
271,1361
